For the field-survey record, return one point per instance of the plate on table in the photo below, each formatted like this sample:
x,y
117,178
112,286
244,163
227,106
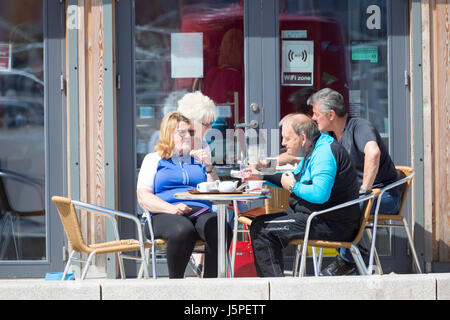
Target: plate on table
x,y
193,191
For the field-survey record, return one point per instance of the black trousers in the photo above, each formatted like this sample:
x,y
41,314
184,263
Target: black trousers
x,y
181,233
272,232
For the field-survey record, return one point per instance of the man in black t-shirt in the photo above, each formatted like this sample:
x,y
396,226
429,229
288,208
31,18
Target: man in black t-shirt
x,y
368,154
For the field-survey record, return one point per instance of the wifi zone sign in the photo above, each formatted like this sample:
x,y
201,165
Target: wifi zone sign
x,y
297,62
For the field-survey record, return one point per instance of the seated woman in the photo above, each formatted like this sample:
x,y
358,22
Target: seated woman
x,y
168,170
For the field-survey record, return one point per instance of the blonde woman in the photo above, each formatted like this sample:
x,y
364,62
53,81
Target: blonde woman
x,y
168,170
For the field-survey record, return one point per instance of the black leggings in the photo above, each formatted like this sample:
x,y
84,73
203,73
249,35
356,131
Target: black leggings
x,y
181,233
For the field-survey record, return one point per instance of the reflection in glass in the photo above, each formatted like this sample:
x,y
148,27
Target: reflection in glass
x,y
22,149
217,70
349,53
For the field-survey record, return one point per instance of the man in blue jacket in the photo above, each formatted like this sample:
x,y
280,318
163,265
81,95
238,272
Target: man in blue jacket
x,y
324,178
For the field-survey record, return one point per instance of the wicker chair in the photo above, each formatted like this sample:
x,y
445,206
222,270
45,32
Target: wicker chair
x,y
198,248
379,219
368,199
366,208
66,209
278,202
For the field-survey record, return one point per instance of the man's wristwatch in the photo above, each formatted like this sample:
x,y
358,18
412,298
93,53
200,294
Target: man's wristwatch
x,y
363,191
210,170
290,187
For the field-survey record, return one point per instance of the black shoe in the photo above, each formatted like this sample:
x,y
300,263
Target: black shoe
x,y
339,267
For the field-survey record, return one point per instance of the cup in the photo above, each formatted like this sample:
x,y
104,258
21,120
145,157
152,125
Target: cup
x,y
207,186
255,184
268,165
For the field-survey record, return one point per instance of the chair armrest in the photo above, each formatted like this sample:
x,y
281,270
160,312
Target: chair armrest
x,y
340,206
391,186
111,214
36,183
21,178
396,183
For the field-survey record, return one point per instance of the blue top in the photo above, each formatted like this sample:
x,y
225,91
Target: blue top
x,y
324,178
319,171
165,177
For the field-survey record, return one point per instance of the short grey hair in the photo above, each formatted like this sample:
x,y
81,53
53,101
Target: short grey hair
x,y
302,124
328,100
196,106
284,119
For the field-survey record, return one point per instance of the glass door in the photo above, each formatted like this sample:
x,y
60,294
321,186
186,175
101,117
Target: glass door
x,y
30,137
22,151
349,46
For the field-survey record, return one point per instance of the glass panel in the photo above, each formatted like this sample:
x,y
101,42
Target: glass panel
x,y
183,46
22,148
341,45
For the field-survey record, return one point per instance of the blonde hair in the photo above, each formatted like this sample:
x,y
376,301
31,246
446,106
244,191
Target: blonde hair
x,y
196,106
168,126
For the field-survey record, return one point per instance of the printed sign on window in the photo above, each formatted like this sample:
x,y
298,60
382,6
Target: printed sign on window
x,y
186,55
5,57
297,64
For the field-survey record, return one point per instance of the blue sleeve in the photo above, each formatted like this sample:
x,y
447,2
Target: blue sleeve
x,y
316,184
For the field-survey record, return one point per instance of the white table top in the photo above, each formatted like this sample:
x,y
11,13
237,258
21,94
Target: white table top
x,y
219,196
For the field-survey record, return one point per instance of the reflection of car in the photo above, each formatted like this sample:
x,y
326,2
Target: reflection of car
x,y
21,99
18,83
15,113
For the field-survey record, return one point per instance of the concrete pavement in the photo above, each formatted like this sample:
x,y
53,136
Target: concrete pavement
x,y
432,286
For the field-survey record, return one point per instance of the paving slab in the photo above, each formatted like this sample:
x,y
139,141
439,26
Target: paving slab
x,y
186,289
442,286
376,287
38,289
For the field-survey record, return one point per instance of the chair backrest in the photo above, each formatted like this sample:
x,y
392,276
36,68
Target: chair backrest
x,y
365,211
70,222
279,200
403,172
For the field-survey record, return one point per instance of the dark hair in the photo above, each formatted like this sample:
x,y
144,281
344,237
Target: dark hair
x,y
328,100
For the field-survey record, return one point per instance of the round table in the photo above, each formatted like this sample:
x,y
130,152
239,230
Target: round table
x,y
221,200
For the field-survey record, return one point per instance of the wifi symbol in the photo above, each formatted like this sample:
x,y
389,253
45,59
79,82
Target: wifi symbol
x,y
304,55
290,55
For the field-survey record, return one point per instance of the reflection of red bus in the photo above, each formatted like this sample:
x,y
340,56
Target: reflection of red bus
x,y
330,63
223,51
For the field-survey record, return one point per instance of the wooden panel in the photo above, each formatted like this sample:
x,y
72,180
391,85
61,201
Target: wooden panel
x,y
96,174
442,125
427,131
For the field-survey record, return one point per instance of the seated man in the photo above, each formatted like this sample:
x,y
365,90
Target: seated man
x,y
324,178
368,154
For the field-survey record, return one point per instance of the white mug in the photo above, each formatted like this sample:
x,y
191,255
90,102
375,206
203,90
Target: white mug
x,y
207,186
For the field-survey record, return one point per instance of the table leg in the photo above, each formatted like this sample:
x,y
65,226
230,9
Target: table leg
x,y
221,267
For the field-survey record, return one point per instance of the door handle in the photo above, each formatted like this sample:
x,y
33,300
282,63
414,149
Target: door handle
x,y
251,124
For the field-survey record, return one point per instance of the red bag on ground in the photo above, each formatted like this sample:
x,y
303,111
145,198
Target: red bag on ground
x,y
244,265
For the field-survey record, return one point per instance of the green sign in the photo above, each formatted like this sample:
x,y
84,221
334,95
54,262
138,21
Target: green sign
x,y
365,53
